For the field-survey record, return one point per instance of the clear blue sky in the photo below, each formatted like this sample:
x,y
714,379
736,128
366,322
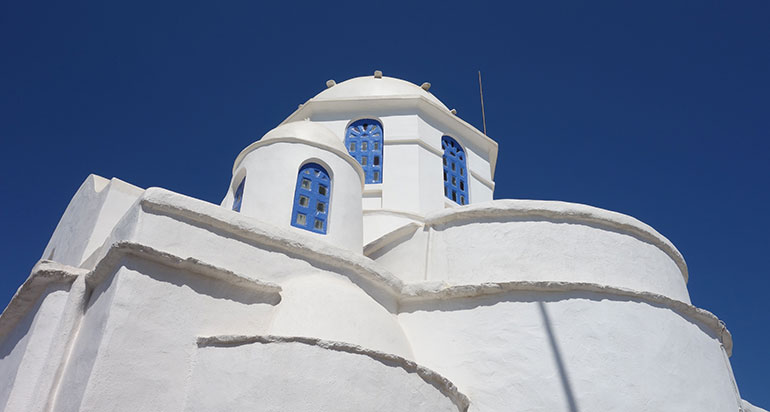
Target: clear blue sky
x,y
658,110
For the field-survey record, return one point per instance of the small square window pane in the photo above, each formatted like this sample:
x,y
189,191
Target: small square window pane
x,y
320,207
462,172
462,200
462,186
454,195
376,145
445,175
303,201
319,224
444,160
364,146
454,181
453,166
376,176
301,219
364,160
376,160
306,184
444,190
322,190
352,146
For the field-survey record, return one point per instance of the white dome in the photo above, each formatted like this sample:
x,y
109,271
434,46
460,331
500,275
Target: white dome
x,y
370,86
306,130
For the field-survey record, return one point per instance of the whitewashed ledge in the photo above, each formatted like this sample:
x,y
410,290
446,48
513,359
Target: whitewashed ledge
x,y
119,250
440,291
43,274
444,385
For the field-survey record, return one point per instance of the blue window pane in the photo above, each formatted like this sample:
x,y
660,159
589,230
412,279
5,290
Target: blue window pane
x,y
455,180
311,198
239,196
364,141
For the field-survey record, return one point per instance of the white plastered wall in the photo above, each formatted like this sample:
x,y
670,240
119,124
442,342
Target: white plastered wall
x,y
515,240
26,351
522,350
553,352
89,218
354,317
271,176
143,320
363,314
412,167
291,376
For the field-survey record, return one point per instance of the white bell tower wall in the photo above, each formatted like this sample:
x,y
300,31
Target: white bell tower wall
x,y
271,166
412,177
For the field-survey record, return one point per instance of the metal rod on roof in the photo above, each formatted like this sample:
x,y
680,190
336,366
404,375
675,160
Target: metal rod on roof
x,y
483,115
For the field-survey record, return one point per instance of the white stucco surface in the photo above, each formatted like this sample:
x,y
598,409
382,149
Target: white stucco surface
x,y
146,319
536,240
300,374
355,316
90,217
412,179
24,361
271,176
553,352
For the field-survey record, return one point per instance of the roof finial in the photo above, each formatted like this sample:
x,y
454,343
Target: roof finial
x,y
425,86
330,83
378,74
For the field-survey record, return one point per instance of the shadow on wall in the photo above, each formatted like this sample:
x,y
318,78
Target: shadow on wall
x,y
571,403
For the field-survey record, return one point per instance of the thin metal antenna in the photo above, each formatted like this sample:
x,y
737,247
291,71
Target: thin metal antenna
x,y
483,116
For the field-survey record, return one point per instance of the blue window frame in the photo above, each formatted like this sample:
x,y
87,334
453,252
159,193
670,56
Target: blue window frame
x,y
238,199
311,199
364,142
455,172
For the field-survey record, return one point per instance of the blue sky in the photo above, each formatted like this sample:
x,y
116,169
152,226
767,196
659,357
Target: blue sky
x,y
658,110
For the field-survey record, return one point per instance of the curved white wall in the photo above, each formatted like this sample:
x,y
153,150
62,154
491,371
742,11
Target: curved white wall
x,y
571,352
271,176
297,376
540,241
331,307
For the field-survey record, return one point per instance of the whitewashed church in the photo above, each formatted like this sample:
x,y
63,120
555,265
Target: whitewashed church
x,y
358,262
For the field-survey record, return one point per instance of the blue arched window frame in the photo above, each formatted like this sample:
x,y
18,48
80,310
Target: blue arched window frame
x,y
363,139
455,171
311,198
238,196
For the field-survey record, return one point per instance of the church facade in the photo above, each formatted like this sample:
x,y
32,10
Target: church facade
x,y
359,262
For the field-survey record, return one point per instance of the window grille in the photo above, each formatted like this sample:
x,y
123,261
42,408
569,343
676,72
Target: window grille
x,y
455,177
311,199
364,142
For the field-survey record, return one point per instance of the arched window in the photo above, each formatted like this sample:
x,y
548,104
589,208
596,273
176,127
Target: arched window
x,y
238,199
455,172
364,141
311,198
